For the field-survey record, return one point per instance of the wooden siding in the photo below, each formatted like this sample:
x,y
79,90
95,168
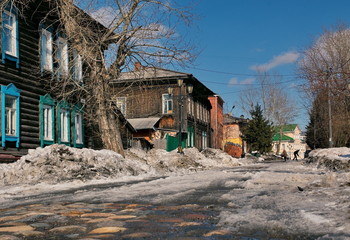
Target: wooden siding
x,y
145,100
27,78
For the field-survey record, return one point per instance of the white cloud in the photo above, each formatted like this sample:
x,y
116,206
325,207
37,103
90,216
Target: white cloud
x,y
285,58
247,81
234,81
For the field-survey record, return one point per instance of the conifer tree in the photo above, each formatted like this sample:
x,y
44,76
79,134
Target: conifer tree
x,y
259,132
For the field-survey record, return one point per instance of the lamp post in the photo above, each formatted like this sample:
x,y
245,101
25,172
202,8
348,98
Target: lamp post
x,y
183,91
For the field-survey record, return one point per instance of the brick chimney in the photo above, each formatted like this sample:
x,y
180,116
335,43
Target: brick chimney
x,y
137,66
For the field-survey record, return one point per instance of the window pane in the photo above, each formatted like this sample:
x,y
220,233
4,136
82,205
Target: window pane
x,y
167,103
64,125
48,122
10,115
121,104
62,56
46,50
9,31
78,67
78,128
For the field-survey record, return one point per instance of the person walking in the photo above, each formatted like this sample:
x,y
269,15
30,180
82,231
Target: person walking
x,y
296,155
284,155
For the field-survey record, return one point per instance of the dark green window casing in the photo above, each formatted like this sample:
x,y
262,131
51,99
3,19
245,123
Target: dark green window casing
x,y
63,123
47,120
78,126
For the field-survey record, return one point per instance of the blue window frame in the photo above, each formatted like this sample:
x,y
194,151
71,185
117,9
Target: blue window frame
x,y
47,120
63,123
167,100
10,115
46,57
78,126
9,34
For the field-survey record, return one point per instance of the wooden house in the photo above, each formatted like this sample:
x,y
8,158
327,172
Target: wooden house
x,y
31,116
163,109
35,53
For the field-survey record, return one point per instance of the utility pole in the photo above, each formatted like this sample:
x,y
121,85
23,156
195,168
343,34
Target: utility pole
x,y
329,78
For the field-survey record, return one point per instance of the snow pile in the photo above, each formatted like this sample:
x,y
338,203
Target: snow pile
x,y
163,161
211,157
333,158
59,163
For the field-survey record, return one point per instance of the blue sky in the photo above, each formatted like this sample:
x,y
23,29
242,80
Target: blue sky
x,y
236,35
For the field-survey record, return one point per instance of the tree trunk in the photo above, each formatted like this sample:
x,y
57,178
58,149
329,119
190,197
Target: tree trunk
x,y
107,119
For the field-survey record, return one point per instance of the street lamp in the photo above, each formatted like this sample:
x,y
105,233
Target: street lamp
x,y
183,91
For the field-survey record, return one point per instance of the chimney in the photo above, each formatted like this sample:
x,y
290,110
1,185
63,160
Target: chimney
x,y
137,66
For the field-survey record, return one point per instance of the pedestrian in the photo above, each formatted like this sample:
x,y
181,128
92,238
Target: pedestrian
x,y
284,155
296,155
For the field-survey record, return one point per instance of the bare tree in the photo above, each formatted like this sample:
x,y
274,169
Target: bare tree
x,y
128,31
277,104
326,67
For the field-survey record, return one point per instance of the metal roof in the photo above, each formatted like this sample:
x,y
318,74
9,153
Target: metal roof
x,y
143,123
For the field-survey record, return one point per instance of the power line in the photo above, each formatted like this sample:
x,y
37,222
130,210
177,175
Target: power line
x,y
244,74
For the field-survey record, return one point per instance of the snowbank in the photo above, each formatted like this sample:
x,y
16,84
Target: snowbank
x,y
59,163
333,158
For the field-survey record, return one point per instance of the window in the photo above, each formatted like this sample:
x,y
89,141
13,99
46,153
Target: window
x,y
204,140
63,123
167,104
78,128
10,36
47,120
10,114
62,56
121,104
46,50
77,67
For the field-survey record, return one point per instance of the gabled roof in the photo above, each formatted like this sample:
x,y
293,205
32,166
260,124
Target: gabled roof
x,y
146,73
287,128
277,137
161,75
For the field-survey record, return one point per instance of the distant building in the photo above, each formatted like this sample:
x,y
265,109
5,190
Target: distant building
x,y
217,121
232,140
165,114
291,139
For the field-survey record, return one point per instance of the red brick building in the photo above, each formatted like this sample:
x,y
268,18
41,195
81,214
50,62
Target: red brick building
x,y
217,121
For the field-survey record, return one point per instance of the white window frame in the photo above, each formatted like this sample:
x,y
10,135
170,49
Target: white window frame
x,y
46,50
48,121
79,127
166,103
78,66
64,117
10,116
62,56
13,33
121,104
